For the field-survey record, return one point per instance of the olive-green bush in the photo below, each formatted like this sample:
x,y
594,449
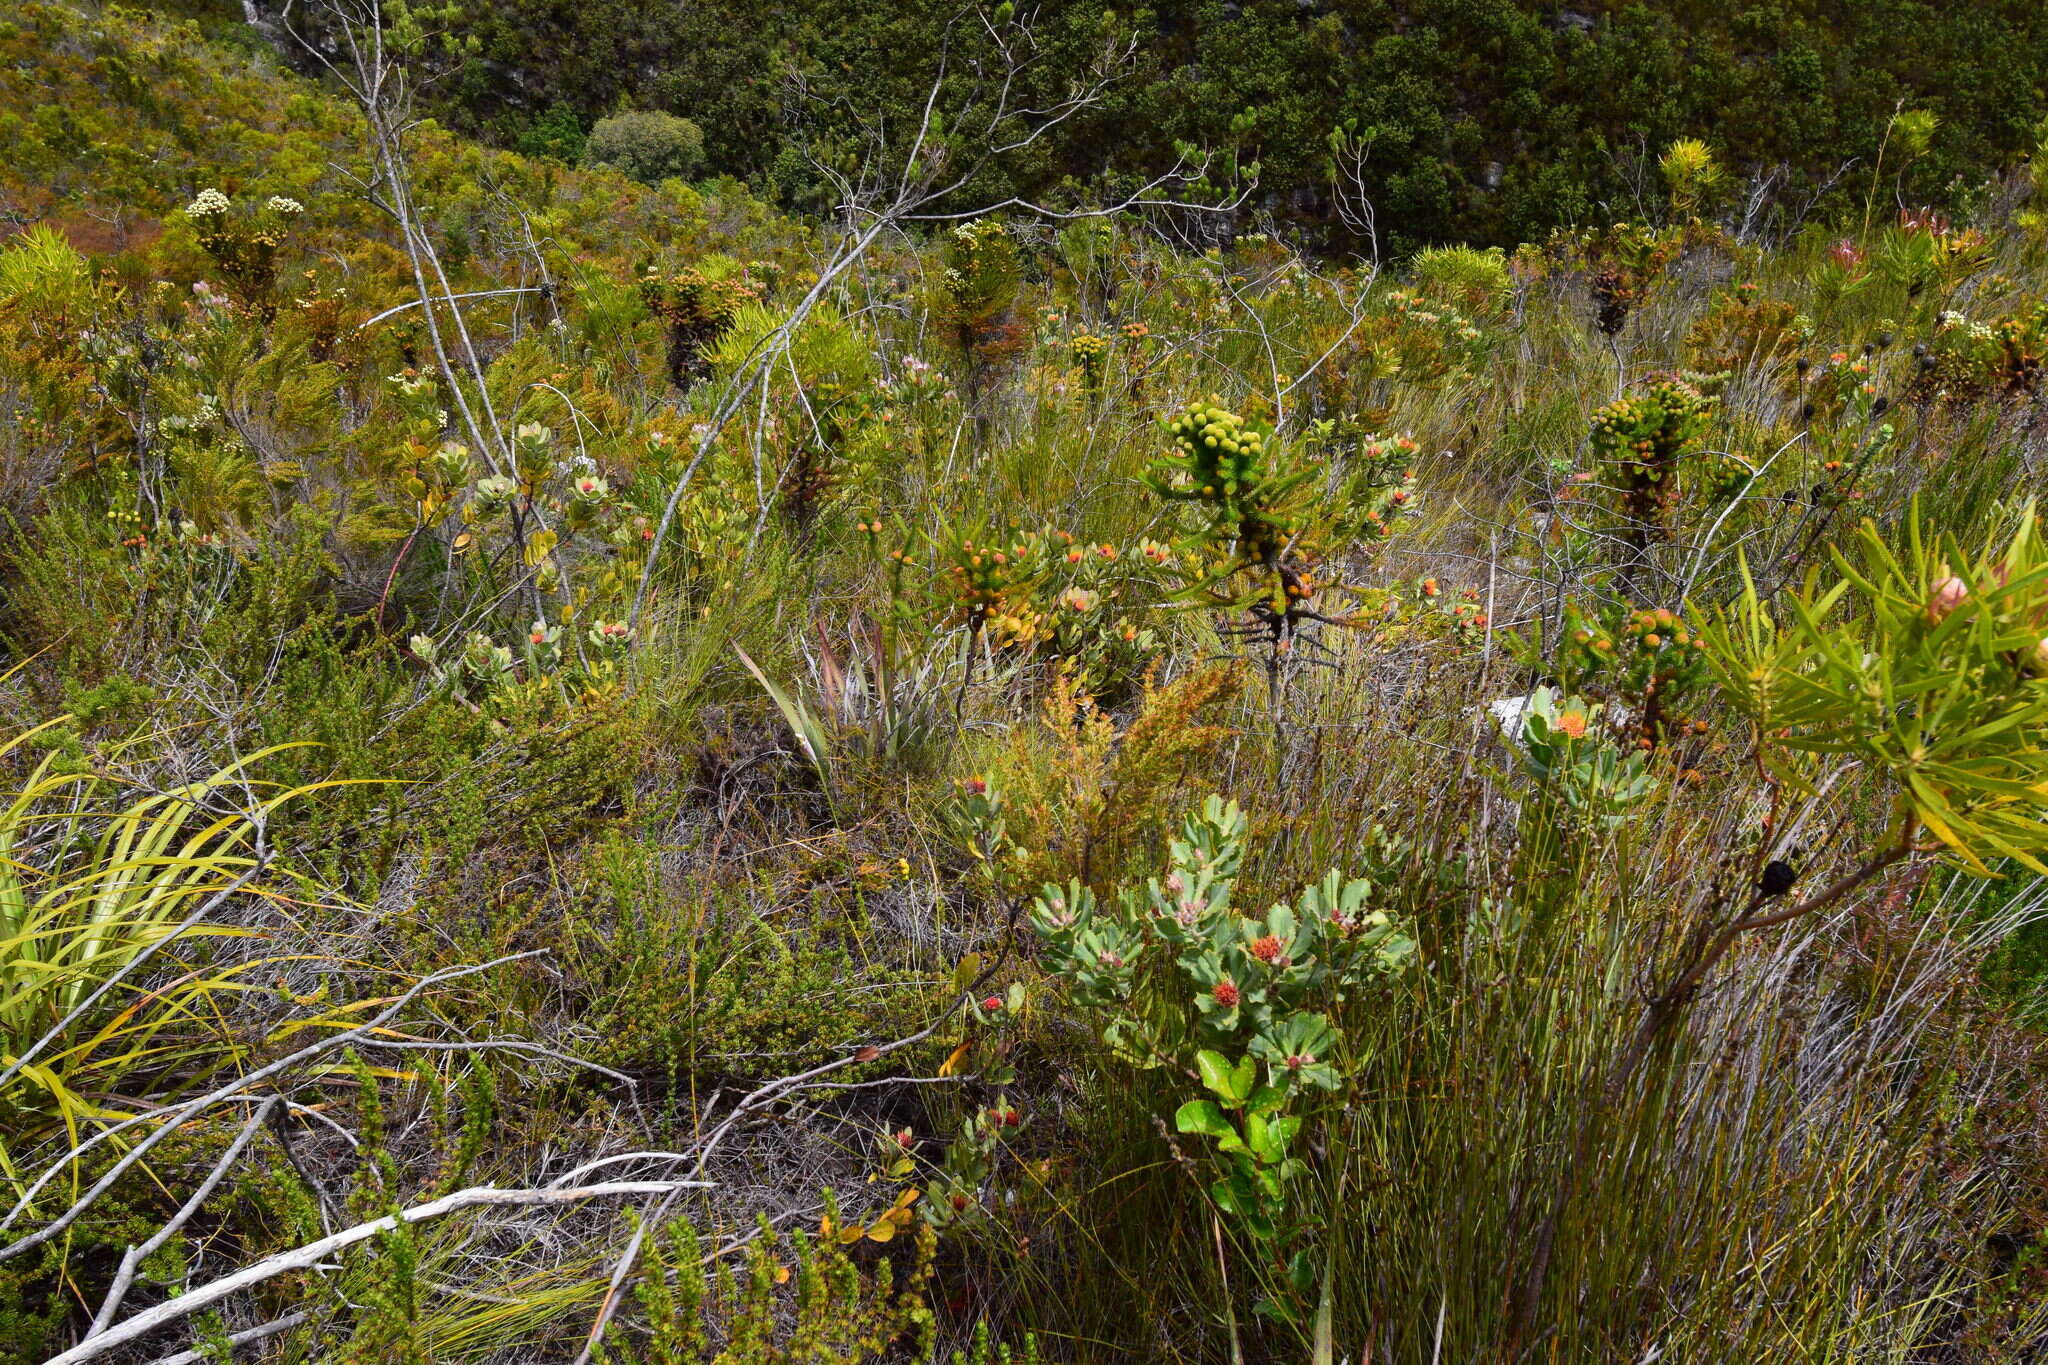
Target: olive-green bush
x,y
648,145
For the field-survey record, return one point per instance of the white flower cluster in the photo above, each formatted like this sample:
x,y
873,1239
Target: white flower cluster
x,y
204,415
1408,306
286,208
209,203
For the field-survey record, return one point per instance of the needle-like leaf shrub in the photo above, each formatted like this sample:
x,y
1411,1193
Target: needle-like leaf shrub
x,y
1925,661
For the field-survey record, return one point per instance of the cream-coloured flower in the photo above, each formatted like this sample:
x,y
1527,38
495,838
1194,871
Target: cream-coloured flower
x,y
209,203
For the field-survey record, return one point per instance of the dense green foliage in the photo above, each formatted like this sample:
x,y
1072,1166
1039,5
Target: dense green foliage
x,y
588,764
1487,120
648,145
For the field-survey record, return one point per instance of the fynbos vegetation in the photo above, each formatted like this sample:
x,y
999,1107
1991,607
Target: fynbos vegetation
x,y
972,750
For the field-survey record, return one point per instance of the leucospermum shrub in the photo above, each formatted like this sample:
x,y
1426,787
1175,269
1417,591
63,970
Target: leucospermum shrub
x,y
1049,595
1651,663
549,522
993,578
1372,484
1173,975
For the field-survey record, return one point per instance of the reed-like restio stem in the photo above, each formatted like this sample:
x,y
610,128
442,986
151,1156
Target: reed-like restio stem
x,y
1704,951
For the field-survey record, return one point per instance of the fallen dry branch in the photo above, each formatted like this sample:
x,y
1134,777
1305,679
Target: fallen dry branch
x,y
312,1253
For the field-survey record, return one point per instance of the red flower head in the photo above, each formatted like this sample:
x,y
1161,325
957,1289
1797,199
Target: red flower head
x,y
1266,949
1225,993
992,1004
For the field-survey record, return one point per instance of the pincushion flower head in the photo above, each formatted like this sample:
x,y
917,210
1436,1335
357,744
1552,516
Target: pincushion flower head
x,y
610,634
1226,994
